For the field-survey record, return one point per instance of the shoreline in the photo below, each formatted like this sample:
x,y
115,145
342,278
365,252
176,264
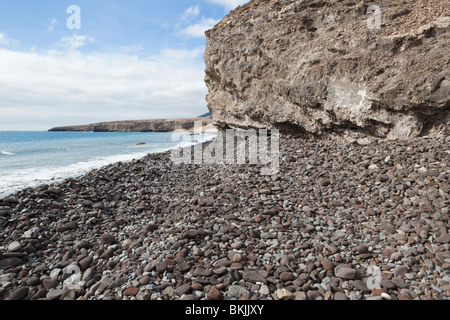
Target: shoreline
x,y
335,215
77,172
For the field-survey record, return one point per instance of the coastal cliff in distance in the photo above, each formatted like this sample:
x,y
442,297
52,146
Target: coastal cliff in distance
x,y
162,125
355,68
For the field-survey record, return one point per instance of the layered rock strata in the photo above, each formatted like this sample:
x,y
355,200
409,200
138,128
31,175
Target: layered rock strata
x,y
332,66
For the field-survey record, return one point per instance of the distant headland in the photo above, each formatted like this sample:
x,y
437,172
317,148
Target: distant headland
x,y
156,125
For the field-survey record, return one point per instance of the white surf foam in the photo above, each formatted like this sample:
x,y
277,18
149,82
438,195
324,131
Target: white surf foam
x,y
5,153
13,181
19,179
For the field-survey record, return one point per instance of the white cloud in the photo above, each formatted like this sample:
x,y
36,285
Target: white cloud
x,y
6,41
179,55
131,49
51,24
76,41
229,4
198,30
190,13
40,90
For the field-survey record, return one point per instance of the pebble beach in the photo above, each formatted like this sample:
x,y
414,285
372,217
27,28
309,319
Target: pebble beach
x,y
340,221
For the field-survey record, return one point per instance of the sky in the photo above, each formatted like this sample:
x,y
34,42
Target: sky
x,y
86,61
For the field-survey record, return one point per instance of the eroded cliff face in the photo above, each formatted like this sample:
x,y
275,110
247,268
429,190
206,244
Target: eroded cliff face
x,y
332,66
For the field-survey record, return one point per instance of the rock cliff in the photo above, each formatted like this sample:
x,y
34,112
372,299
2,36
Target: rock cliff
x,y
362,68
165,125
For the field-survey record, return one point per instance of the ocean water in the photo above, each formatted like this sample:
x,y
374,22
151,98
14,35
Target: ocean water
x,y
31,158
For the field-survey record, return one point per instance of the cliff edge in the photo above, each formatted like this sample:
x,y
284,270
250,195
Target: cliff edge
x,y
358,68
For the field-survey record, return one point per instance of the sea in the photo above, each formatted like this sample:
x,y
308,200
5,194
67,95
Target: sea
x,y
28,159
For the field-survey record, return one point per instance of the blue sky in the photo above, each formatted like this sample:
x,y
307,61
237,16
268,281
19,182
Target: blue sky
x,y
129,60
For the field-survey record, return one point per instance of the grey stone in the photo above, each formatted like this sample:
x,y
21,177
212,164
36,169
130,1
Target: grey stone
x,y
442,256
347,273
386,283
10,262
340,296
237,291
160,267
400,271
265,290
362,249
69,294
399,283
313,295
323,182
108,239
168,291
375,298
105,282
287,276
222,270
183,289
237,244
49,283
14,246
189,297
444,238
33,281
285,260
19,293
41,268
359,285
145,280
184,267
151,265
300,295
190,234
88,275
54,294
223,263
54,190
254,277
85,263
118,282
202,272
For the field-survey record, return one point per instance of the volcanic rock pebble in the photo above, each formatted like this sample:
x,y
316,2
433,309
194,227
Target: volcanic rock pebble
x,y
254,277
54,294
345,272
132,291
14,246
255,237
183,289
238,291
19,293
214,294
